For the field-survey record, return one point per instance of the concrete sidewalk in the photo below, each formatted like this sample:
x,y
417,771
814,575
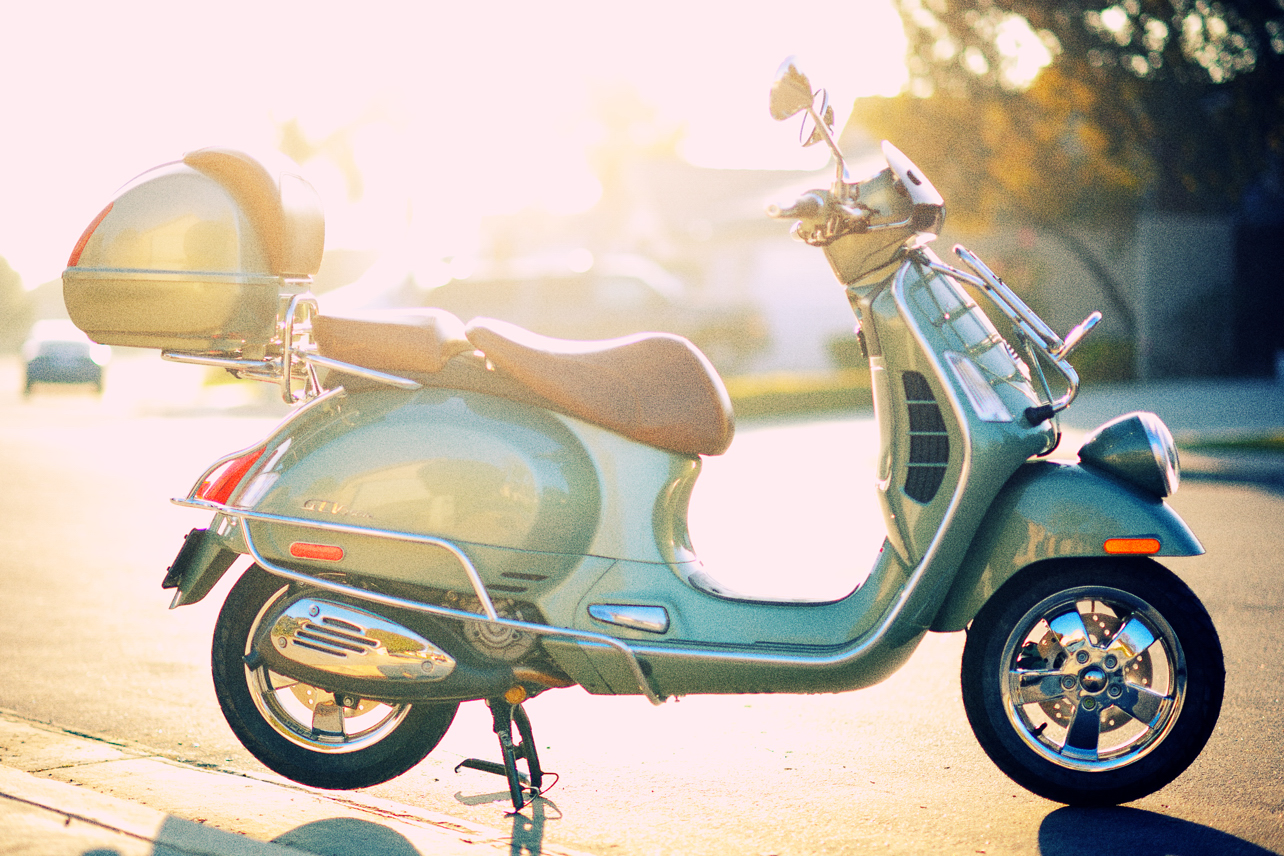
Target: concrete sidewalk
x,y
67,794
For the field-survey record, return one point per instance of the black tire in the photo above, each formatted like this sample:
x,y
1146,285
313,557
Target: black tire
x,y
273,715
1093,682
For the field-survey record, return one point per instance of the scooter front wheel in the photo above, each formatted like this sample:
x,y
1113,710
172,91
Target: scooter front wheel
x,y
302,731
1093,682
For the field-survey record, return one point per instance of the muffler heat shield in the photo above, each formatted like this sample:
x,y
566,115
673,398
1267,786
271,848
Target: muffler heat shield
x,y
343,640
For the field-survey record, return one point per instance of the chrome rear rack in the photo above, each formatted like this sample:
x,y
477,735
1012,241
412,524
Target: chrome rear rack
x,y
293,359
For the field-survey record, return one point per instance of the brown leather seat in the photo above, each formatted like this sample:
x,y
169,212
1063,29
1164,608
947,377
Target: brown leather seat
x,y
404,340
655,388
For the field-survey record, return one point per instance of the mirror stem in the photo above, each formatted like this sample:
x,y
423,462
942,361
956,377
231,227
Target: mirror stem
x,y
841,176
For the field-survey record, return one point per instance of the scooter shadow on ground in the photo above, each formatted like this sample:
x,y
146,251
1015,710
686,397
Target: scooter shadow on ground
x,y
346,836
342,836
1135,832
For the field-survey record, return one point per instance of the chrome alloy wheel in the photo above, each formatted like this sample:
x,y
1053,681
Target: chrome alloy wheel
x,y
306,733
314,718
1094,678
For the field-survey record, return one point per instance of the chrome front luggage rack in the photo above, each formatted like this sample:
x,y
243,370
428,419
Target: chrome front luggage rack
x,y
292,360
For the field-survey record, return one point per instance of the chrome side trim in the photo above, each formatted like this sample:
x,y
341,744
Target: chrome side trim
x,y
652,619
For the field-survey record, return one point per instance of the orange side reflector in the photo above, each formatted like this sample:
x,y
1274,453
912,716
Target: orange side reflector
x,y
1132,546
324,552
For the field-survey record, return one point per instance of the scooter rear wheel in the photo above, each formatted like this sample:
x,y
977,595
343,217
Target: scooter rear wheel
x,y
302,731
1093,682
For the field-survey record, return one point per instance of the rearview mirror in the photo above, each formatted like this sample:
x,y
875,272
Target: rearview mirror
x,y
791,94
790,91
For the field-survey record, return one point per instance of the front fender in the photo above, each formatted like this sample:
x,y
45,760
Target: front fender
x,y
1048,511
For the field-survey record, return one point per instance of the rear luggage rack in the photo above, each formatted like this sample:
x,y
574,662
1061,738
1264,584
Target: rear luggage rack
x,y
293,359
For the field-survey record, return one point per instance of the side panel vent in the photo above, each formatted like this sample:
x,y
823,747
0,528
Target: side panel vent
x,y
928,440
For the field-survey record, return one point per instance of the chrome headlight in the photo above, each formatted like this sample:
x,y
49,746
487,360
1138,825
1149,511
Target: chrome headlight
x,y
1138,448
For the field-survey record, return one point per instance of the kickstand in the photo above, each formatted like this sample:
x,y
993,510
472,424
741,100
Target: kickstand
x,y
505,716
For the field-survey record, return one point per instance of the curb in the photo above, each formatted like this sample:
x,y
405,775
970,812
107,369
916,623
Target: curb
x,y
62,792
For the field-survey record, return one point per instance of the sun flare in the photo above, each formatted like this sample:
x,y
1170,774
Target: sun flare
x,y
407,117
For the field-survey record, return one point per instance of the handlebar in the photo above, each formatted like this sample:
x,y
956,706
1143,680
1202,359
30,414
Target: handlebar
x,y
810,205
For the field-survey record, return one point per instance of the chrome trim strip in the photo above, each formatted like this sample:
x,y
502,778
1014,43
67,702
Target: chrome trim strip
x,y
243,515
652,619
359,371
234,363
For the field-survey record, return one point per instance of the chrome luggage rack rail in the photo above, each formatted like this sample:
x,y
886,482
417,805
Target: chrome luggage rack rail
x,y
490,616
292,357
1032,331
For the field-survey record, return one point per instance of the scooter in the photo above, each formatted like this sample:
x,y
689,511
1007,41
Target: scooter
x,y
460,512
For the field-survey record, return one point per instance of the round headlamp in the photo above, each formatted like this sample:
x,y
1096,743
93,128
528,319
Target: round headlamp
x,y
1138,448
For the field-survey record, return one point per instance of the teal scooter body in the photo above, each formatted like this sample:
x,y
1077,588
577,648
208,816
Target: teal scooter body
x,y
475,512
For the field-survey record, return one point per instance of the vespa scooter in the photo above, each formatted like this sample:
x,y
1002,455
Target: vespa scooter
x,y
459,512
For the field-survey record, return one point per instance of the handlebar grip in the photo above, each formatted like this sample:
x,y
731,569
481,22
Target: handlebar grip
x,y
809,205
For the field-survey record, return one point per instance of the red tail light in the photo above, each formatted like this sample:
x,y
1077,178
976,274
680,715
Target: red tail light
x,y
221,482
84,239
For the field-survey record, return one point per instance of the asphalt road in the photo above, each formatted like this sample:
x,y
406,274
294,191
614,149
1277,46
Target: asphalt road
x,y
86,531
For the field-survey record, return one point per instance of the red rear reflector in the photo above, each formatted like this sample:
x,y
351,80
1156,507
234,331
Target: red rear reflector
x,y
324,552
1132,546
84,239
221,489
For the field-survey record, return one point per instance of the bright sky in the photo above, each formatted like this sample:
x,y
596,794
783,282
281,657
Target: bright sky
x,y
452,109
